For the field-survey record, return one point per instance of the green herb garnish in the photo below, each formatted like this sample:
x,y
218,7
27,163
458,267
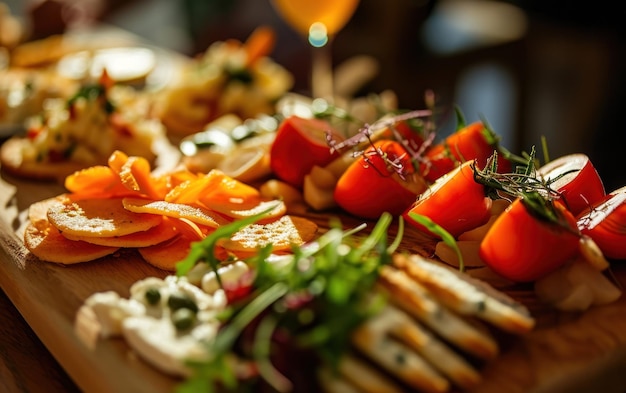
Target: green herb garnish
x,y
315,297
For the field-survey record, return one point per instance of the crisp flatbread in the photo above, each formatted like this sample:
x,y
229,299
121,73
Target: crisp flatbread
x,y
466,295
99,217
48,244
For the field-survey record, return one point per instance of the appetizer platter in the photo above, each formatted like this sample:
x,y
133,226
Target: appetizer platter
x,y
220,232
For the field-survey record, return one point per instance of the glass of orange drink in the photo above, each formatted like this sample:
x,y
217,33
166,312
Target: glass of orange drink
x,y
319,21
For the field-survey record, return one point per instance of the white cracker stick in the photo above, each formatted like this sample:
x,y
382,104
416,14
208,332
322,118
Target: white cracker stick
x,y
443,358
356,375
335,383
416,300
467,295
372,338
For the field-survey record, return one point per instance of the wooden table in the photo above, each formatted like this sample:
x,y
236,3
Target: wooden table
x,y
567,352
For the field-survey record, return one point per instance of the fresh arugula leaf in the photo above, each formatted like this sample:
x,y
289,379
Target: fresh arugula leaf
x,y
441,232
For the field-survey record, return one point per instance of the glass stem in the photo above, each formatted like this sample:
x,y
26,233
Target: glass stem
x,y
322,72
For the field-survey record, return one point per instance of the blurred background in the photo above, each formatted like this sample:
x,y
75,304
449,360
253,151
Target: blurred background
x,y
530,68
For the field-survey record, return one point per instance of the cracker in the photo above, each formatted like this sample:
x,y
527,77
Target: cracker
x,y
467,295
283,234
167,254
372,339
155,235
48,244
415,299
354,374
99,217
444,359
195,214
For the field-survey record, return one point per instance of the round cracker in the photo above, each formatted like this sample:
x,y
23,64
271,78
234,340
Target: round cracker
x,y
167,254
38,211
99,217
283,234
195,214
48,244
155,235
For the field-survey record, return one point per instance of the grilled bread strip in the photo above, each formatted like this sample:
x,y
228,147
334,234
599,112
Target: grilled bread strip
x,y
417,301
467,295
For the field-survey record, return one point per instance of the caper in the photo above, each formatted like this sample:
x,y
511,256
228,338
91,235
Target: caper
x,y
153,296
180,300
183,318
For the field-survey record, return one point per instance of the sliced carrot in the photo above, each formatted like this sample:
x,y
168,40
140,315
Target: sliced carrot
x,y
95,182
214,186
259,44
117,159
136,175
230,190
189,191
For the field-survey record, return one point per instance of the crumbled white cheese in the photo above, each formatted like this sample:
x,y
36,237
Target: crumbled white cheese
x,y
229,274
159,343
148,328
110,310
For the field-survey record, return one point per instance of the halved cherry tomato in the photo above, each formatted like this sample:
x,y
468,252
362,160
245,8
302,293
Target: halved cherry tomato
x,y
579,185
470,143
369,187
523,248
405,131
455,202
605,223
299,145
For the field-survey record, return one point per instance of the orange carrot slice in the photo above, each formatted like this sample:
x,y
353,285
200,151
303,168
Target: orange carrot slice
x,y
95,182
259,44
136,175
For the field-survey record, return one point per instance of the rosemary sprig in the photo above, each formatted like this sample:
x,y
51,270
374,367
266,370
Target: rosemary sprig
x,y
536,193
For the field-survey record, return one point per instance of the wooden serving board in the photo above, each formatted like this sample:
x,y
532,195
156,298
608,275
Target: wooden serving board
x,y
566,352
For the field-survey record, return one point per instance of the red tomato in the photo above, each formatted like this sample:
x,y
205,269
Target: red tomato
x,y
455,202
403,130
580,185
523,248
299,145
605,223
369,188
467,144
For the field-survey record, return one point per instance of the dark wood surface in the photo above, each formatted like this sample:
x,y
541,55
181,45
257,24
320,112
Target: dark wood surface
x,y
26,365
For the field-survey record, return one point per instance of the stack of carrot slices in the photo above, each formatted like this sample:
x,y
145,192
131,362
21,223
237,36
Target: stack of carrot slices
x,y
125,205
